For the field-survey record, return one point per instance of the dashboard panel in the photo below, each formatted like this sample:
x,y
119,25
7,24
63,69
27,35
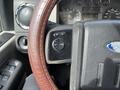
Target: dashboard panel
x,y
71,11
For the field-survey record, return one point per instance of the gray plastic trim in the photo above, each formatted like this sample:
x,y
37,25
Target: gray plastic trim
x,y
76,62
8,42
8,49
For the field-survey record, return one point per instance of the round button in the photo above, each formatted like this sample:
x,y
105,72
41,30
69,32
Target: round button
x,y
58,44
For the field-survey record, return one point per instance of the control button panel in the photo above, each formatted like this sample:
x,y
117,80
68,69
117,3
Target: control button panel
x,y
9,73
58,46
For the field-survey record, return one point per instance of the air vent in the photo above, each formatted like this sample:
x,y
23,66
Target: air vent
x,y
24,14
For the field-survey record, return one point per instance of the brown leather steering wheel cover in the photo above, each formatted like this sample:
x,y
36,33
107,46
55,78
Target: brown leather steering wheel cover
x,y
36,44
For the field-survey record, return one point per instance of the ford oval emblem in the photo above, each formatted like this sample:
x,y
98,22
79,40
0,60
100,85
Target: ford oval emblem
x,y
114,47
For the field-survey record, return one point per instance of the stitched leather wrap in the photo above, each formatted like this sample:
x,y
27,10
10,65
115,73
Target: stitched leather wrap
x,y
36,44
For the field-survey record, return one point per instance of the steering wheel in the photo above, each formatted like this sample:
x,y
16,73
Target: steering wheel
x,y
36,44
81,74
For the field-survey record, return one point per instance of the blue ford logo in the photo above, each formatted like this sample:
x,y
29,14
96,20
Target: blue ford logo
x,y
114,47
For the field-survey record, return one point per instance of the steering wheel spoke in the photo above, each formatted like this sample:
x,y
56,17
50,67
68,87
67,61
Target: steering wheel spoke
x,y
59,44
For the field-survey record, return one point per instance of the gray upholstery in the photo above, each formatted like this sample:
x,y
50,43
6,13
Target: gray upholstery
x,y
30,84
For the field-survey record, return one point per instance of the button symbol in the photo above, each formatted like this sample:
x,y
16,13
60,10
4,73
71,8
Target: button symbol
x,y
58,44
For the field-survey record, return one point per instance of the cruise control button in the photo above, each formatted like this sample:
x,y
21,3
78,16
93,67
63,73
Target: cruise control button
x,y
56,34
58,44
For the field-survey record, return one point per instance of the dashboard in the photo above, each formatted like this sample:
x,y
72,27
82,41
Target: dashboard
x,y
71,11
65,12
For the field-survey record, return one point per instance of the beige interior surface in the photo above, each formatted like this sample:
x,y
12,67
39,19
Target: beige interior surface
x,y
53,16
